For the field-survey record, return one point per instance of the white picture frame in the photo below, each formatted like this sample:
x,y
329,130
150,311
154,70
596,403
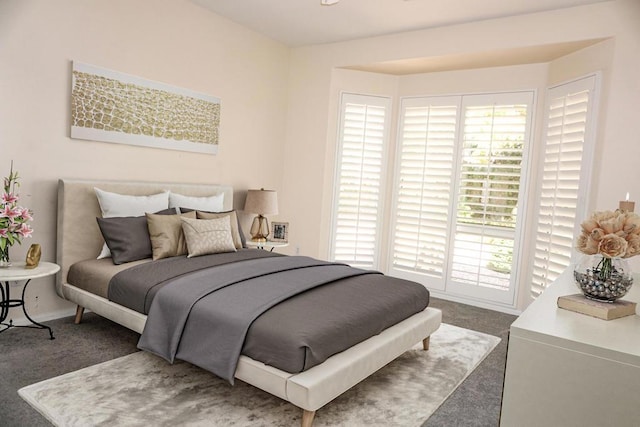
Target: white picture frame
x,y
279,232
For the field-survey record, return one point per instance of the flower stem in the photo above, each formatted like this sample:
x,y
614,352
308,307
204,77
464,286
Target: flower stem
x,y
604,268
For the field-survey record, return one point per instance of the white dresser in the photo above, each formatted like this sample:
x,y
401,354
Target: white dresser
x,y
569,369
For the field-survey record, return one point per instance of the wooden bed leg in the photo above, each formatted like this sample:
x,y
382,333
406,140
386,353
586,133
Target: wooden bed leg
x,y
79,313
307,417
425,344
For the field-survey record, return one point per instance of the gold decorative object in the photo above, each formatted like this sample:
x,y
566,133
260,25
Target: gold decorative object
x,y
33,256
261,202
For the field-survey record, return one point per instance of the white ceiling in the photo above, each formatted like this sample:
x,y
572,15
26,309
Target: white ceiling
x,y
305,22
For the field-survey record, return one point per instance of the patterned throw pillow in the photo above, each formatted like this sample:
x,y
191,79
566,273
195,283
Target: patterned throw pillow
x,y
233,217
208,236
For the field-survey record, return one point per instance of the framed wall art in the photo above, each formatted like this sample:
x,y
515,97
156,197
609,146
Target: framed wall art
x,y
110,106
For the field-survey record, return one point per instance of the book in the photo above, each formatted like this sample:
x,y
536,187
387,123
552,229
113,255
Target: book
x,y
600,309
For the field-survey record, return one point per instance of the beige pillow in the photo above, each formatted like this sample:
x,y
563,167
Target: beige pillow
x,y
208,236
167,237
233,218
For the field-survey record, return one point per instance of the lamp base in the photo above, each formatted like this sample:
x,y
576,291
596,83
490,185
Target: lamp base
x,y
259,229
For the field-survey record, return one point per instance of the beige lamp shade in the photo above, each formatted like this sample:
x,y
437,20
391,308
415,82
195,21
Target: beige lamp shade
x,y
262,202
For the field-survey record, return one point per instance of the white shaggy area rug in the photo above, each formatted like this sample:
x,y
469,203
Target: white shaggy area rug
x,y
143,390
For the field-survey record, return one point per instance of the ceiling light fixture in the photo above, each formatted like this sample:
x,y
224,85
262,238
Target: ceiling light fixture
x,y
328,2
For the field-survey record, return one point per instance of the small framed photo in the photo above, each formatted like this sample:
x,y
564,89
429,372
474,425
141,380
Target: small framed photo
x,y
279,231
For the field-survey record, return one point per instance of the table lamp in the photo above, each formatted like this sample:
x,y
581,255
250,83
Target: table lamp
x,y
261,202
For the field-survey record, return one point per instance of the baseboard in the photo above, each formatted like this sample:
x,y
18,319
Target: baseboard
x,y
475,303
23,321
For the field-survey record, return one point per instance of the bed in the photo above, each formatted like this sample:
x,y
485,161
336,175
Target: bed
x,y
79,238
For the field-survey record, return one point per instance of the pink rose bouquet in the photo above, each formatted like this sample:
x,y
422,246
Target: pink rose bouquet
x,y
612,234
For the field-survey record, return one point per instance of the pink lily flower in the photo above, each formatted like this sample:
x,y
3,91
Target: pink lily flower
x,y
9,198
25,230
7,212
13,218
26,214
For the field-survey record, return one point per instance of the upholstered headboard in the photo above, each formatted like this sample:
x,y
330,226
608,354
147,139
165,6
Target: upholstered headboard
x,y
79,237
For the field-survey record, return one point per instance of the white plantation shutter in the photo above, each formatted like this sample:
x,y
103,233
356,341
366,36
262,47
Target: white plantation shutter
x,y
491,159
459,167
363,135
568,144
424,182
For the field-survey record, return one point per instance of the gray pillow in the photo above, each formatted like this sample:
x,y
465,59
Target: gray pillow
x,y
128,237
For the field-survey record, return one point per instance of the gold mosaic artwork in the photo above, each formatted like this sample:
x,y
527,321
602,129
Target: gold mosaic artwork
x,y
107,104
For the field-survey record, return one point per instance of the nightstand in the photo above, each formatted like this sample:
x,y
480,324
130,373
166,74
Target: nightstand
x,y
18,273
266,245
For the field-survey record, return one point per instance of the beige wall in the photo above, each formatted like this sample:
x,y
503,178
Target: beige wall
x,y
312,107
171,41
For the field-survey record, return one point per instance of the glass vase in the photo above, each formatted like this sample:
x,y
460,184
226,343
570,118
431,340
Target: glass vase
x,y
603,279
4,256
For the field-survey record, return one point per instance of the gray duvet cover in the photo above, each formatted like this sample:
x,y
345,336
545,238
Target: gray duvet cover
x,y
203,318
294,335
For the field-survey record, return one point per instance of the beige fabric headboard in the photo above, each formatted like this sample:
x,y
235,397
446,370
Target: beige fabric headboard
x,y
79,236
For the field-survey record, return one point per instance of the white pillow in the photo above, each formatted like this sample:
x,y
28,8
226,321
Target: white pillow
x,y
209,203
116,205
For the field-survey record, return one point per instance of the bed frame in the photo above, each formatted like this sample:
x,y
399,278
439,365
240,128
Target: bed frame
x,y
79,238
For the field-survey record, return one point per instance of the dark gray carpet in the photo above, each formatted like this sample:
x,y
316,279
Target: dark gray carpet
x,y
477,401
27,356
